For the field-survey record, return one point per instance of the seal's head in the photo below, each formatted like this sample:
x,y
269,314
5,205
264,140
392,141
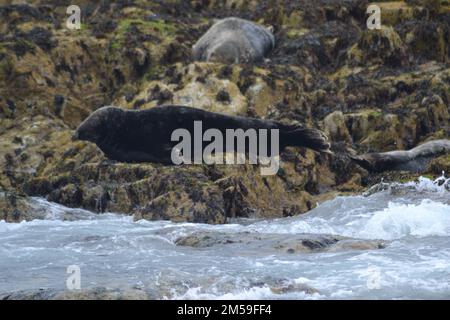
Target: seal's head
x,y
99,125
224,52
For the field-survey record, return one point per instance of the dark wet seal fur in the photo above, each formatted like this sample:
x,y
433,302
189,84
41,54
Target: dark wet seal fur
x,y
145,135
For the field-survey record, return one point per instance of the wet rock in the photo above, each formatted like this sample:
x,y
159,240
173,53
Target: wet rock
x,y
100,28
317,48
203,95
440,165
352,244
432,6
69,195
433,114
42,38
379,46
289,286
59,104
278,243
16,208
85,294
223,96
428,40
336,128
200,206
396,12
161,95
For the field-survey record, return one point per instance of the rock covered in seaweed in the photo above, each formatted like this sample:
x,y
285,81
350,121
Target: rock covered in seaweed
x,y
325,71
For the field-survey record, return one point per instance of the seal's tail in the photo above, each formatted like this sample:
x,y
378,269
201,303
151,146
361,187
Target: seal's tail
x,y
309,138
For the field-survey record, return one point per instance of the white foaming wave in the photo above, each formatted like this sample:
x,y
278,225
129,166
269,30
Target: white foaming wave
x,y
346,216
313,225
423,184
6,227
253,293
245,294
55,211
9,226
428,218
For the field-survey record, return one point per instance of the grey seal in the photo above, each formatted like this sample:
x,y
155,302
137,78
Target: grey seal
x,y
234,40
414,160
145,135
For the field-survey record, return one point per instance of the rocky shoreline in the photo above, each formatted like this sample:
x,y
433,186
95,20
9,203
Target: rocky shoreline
x,y
369,90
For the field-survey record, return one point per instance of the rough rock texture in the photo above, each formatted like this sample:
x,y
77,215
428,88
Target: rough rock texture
x,y
276,243
88,294
371,90
166,290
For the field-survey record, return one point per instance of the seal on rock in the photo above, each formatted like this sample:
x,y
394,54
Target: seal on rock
x,y
415,160
234,40
146,135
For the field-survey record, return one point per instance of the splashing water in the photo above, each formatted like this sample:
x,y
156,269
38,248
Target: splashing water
x,y
412,219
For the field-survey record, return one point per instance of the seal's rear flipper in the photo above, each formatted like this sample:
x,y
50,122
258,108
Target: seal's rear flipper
x,y
309,138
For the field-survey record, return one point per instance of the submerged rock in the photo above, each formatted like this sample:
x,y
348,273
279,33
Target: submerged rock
x,y
285,287
278,243
85,294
